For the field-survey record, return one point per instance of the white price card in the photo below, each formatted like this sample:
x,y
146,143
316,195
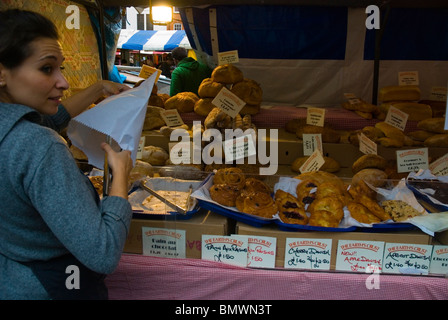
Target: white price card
x,y
396,118
311,143
366,145
227,249
172,117
262,252
408,78
228,57
228,102
315,116
439,260
412,160
407,258
239,148
359,256
141,146
308,253
167,243
439,167
313,163
438,94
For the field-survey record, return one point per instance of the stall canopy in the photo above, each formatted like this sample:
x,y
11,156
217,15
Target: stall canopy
x,y
153,40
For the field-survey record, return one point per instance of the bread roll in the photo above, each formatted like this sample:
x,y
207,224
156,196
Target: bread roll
x,y
369,161
209,88
437,140
390,132
372,176
399,93
227,74
249,91
183,102
415,111
203,106
435,125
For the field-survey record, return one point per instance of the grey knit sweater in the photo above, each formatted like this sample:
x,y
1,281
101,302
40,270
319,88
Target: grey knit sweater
x,y
48,206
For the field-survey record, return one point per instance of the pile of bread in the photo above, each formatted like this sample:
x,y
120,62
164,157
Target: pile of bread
x,y
320,199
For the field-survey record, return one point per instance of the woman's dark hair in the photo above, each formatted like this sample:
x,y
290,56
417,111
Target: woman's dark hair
x,y
18,28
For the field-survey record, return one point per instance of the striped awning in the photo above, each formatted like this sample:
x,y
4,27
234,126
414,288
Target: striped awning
x,y
153,40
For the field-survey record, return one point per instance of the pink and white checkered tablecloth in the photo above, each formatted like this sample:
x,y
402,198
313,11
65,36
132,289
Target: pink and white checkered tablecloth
x,y
277,117
150,278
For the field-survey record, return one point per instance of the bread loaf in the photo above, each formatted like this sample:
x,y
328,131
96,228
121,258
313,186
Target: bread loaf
x,y
203,106
209,88
415,111
249,91
369,161
392,133
227,74
437,140
330,164
435,125
183,102
399,93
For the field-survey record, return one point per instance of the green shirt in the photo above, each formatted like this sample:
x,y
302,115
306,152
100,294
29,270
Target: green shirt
x,y
188,75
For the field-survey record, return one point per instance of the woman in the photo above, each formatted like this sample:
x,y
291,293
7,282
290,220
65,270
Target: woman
x,y
57,239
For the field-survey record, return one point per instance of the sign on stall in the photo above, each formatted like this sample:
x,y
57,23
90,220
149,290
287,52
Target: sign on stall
x,y
359,256
262,252
228,102
228,249
407,258
412,160
312,254
439,260
160,242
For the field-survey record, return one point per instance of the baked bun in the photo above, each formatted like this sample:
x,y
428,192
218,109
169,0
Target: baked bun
x,y
204,106
249,91
290,209
209,88
183,102
224,194
227,74
257,203
230,176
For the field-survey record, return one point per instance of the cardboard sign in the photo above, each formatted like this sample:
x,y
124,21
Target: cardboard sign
x,y
308,253
315,116
311,143
440,166
412,160
159,242
228,102
407,258
408,78
438,94
141,146
262,252
366,145
228,57
396,118
359,256
172,118
228,249
313,163
147,71
439,260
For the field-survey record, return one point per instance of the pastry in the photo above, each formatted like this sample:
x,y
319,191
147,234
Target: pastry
x,y
306,191
256,185
230,176
399,93
369,161
249,91
373,207
140,170
257,203
224,194
330,204
323,218
183,102
204,106
290,209
97,182
209,88
330,189
399,210
227,74
360,213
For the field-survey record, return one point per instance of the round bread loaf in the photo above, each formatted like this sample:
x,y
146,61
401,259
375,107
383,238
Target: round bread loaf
x,y
369,161
227,74
209,88
183,102
203,106
249,91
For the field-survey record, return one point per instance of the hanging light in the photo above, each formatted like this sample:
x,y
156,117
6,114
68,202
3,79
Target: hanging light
x,y
161,15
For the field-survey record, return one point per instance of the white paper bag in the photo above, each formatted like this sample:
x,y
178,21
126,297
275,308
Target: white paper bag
x,y
119,116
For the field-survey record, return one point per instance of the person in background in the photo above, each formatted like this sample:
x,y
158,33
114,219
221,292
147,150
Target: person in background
x,y
51,217
167,66
188,74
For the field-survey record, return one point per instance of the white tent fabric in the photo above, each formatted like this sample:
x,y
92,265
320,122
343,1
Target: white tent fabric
x,y
152,40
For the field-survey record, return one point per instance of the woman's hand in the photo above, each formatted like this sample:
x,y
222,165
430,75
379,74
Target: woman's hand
x,y
121,166
111,88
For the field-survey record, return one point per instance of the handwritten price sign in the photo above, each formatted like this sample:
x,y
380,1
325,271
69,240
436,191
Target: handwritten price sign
x,y
308,253
359,256
261,252
228,249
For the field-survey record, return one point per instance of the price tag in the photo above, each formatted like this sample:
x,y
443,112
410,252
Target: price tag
x,y
141,146
227,249
147,71
439,260
407,258
412,160
440,166
167,243
438,94
181,152
313,163
396,118
239,148
228,57
315,116
366,145
172,118
308,253
262,251
359,256
408,78
311,143
228,102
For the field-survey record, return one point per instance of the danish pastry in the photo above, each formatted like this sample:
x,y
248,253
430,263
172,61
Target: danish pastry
x,y
305,191
323,218
257,203
330,204
253,184
290,209
230,176
224,194
360,213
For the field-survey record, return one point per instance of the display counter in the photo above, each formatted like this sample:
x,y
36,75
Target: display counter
x,y
151,278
